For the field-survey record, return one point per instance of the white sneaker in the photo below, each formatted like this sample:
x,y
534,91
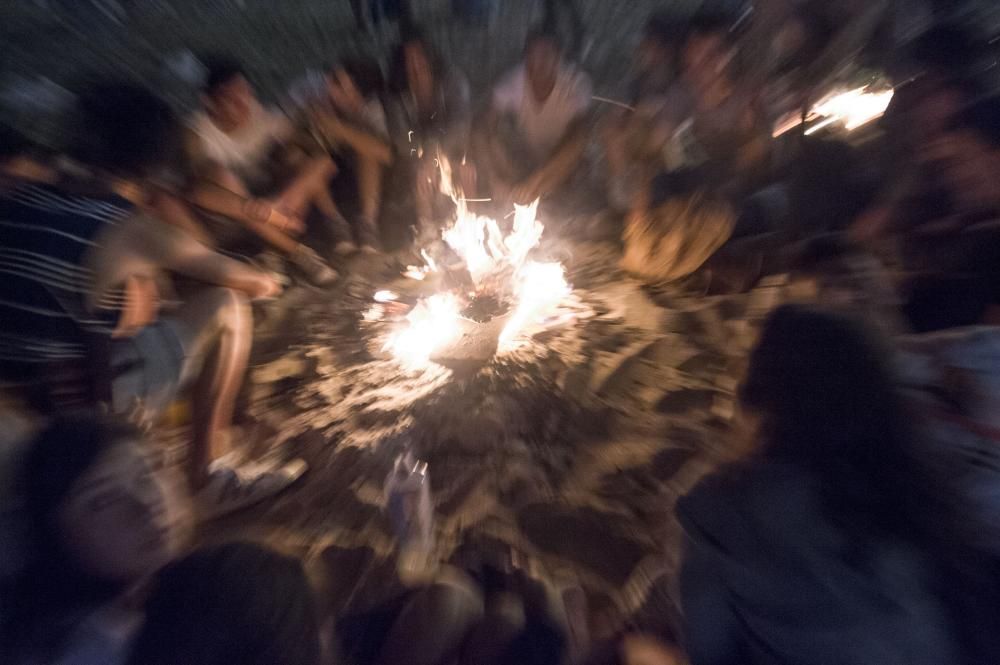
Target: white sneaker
x,y
234,488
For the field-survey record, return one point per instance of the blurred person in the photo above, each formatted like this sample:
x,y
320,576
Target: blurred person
x,y
938,74
955,260
724,138
634,139
537,128
83,264
241,166
352,119
101,521
829,542
429,115
235,603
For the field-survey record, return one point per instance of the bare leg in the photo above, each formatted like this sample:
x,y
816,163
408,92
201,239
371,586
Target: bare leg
x,y
217,329
370,193
310,187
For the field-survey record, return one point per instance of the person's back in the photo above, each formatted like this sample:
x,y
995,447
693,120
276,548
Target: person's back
x,y
834,543
804,587
46,235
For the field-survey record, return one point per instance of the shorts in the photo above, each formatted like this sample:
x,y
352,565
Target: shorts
x,y
150,369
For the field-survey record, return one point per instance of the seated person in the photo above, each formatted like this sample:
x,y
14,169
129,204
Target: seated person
x,y
429,115
227,604
101,521
955,260
82,264
352,120
634,139
722,141
830,542
241,165
536,130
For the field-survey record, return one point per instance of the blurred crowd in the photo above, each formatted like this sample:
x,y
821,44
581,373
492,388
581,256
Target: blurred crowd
x,y
860,526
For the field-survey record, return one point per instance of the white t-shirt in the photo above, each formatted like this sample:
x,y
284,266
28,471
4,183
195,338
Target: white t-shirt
x,y
543,125
245,150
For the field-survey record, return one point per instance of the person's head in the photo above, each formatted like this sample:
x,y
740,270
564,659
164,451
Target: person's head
x,y
542,58
227,95
416,67
100,521
802,38
968,155
821,391
234,603
351,82
96,504
706,52
656,56
123,130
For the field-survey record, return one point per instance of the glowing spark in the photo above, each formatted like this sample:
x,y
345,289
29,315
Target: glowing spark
x,y
385,296
613,102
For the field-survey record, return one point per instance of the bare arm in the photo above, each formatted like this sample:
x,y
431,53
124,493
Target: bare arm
x,y
364,142
142,247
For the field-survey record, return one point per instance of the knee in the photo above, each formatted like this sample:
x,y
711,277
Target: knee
x,y
229,309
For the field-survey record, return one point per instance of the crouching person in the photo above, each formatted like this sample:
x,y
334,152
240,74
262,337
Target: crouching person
x,y
81,264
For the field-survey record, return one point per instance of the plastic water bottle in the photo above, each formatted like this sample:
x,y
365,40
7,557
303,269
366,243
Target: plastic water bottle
x,y
411,511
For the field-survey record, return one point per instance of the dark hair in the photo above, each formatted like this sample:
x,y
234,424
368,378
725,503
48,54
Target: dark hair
x,y
234,603
365,73
54,589
398,80
220,70
825,391
544,34
982,118
123,129
664,30
703,25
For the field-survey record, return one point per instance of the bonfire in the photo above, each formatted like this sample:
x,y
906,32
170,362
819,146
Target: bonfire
x,y
489,294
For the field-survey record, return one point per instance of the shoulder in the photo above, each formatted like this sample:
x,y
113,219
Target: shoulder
x,y
509,90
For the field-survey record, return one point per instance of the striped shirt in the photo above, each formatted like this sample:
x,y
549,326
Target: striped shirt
x,y
45,235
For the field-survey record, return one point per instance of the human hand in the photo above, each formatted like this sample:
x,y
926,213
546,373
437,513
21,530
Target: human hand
x,y
286,222
260,286
142,303
344,93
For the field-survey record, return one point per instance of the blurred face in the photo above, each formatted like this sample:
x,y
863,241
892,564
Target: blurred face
x,y
969,166
344,93
652,57
231,103
419,72
705,59
119,520
541,63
